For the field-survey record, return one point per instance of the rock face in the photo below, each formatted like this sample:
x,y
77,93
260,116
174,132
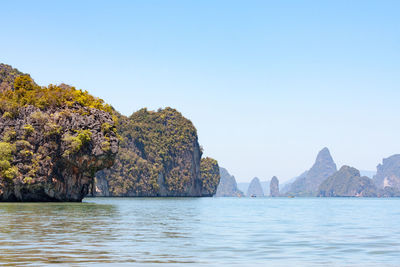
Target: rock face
x,y
7,77
389,192
159,156
388,173
347,182
286,186
274,187
53,141
227,186
255,189
210,177
308,185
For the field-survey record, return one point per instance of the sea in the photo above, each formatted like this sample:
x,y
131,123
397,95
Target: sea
x,y
202,232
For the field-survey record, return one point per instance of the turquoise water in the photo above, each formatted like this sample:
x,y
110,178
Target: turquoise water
x,y
203,231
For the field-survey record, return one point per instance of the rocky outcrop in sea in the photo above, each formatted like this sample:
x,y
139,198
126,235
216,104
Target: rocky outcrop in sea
x,y
159,156
347,182
53,140
227,186
255,188
274,187
210,176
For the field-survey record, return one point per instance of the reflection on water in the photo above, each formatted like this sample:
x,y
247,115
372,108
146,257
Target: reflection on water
x,y
217,231
54,232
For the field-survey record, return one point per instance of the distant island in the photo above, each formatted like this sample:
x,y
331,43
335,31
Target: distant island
x,y
307,185
324,180
274,187
255,188
227,186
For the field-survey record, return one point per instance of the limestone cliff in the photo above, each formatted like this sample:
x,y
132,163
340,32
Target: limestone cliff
x,y
388,173
159,156
7,77
388,192
255,188
210,176
274,187
52,140
227,186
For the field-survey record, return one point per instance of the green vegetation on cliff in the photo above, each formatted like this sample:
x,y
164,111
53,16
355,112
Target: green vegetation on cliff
x,y
6,155
159,155
210,177
25,92
51,139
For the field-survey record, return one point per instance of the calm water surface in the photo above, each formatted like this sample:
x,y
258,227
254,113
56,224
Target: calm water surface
x,y
203,231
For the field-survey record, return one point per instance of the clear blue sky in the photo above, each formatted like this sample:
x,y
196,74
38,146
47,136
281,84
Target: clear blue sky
x,y
266,83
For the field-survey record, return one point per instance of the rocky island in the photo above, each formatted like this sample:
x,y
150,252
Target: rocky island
x,y
159,156
347,182
53,139
227,185
255,188
210,176
274,187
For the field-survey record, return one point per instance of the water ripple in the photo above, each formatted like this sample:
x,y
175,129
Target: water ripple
x,y
208,231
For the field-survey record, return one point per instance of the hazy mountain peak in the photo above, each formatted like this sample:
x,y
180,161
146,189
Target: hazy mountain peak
x,y
324,156
323,167
255,188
